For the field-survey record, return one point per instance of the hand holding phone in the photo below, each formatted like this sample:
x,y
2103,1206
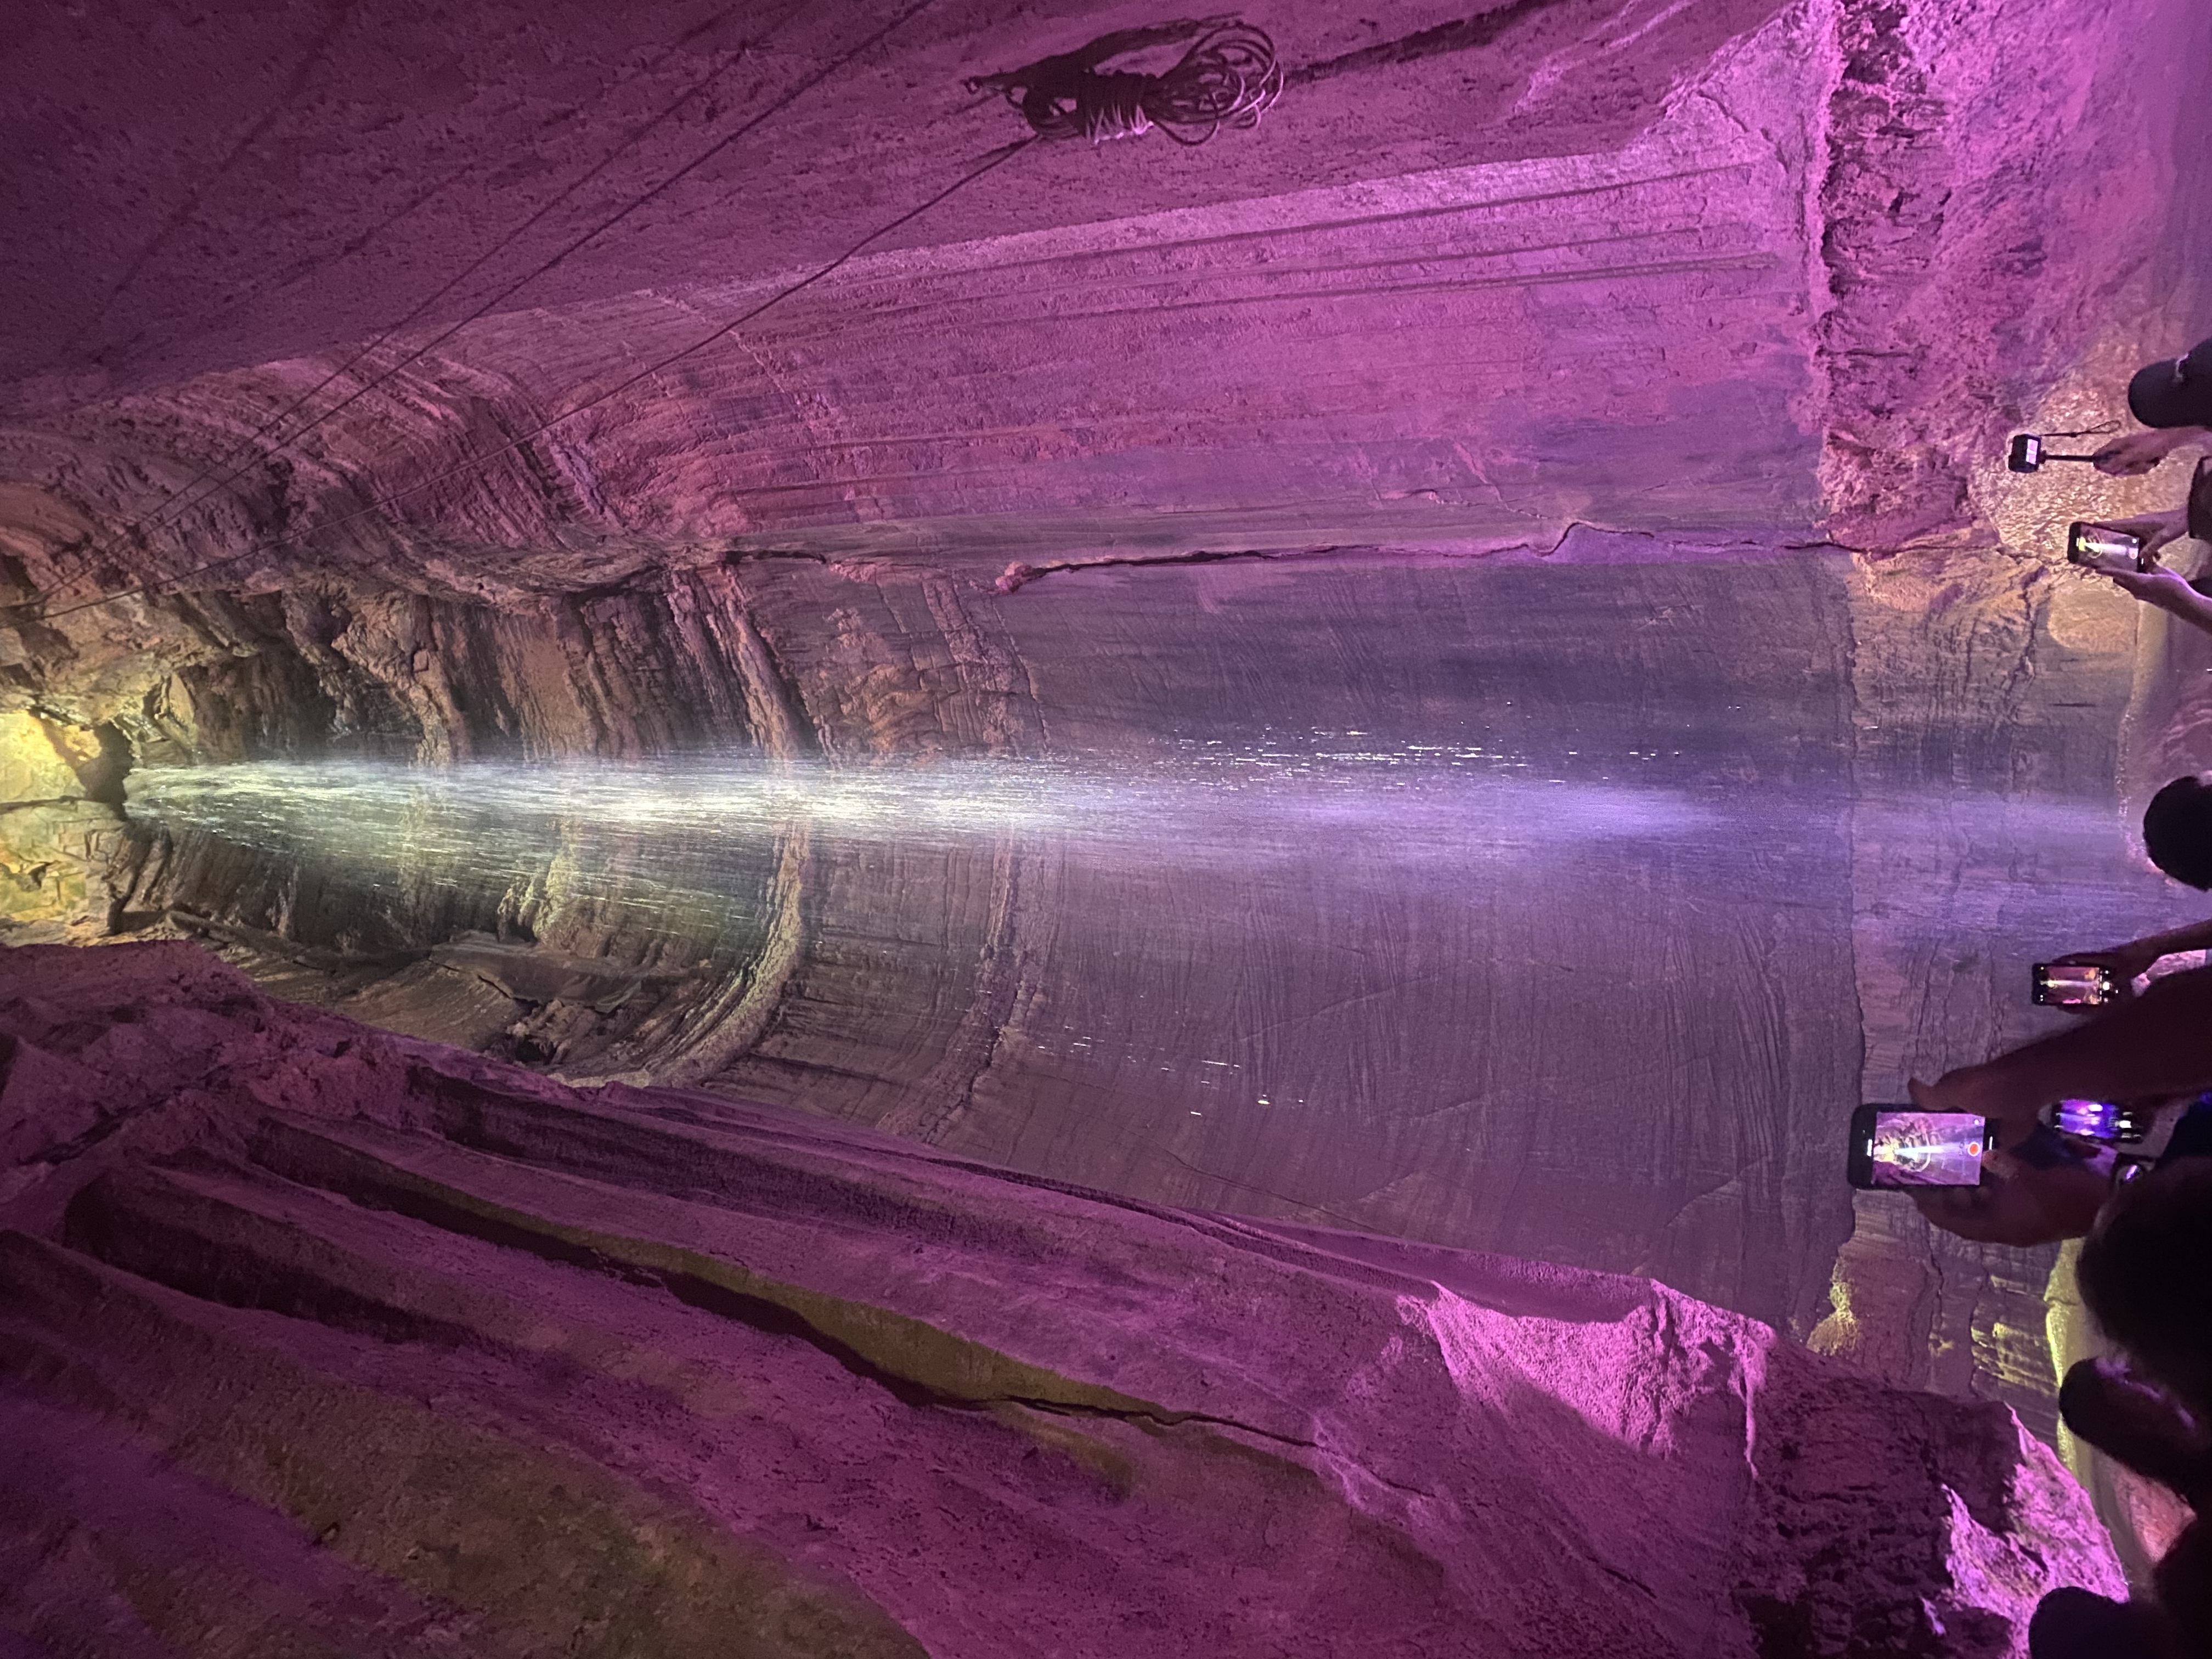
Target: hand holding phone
x,y
2043,1189
2092,979
2019,1204
1893,1148
2107,548
2102,546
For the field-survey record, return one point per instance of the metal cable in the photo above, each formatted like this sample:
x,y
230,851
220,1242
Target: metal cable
x,y
1229,77
177,504
997,158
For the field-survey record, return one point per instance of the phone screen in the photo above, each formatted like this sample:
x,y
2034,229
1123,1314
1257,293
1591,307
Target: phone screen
x,y
1900,1146
2072,985
2086,544
2093,1120
2100,1120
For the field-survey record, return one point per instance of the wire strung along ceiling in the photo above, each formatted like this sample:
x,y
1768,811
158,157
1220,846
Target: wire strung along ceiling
x,y
1228,78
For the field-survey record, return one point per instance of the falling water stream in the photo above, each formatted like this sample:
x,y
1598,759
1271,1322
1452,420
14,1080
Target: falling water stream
x,y
1587,1006
653,836
1566,912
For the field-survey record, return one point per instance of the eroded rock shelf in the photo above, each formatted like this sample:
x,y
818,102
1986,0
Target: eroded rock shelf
x,y
312,1332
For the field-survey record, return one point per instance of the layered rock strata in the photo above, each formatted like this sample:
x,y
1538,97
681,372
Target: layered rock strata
x,y
1723,279
315,1334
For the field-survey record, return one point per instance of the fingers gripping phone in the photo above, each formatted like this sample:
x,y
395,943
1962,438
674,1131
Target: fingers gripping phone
x,y
1902,1146
2072,985
2096,544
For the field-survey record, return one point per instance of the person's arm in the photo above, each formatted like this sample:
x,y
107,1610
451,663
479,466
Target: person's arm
x,y
2169,593
2139,452
2134,958
2018,1205
2156,585
2158,1044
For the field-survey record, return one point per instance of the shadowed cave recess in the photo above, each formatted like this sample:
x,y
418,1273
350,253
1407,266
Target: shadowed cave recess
x,y
1142,925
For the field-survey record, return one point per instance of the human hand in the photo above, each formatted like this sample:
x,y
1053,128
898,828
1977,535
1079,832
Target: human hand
x,y
1981,1091
2124,963
2163,588
2019,1205
2139,452
2155,530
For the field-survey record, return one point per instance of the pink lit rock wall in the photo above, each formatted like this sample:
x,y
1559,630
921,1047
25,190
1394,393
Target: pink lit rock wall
x,y
314,1333
394,147
1594,378
1743,269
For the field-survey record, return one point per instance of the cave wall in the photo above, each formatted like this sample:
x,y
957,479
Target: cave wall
x,y
1676,338
317,1335
1803,276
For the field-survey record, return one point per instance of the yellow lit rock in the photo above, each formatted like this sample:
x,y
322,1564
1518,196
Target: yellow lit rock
x,y
43,759
53,860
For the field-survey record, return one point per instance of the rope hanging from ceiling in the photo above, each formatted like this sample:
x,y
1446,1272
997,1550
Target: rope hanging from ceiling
x,y
1228,78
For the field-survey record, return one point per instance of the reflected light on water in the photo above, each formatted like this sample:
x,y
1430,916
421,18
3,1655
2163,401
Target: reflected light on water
x,y
1321,964
485,824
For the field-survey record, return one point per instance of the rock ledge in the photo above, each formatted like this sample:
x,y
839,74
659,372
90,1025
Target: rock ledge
x,y
315,1337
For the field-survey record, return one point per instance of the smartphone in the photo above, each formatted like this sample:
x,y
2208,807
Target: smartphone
x,y
2026,455
2092,544
2097,1119
2072,985
1894,1147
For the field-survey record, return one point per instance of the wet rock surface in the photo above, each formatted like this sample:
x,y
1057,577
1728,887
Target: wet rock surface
x,y
1558,909
318,1333
1580,384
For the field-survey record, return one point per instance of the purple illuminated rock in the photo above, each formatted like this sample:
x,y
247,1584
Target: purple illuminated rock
x,y
327,1336
1524,359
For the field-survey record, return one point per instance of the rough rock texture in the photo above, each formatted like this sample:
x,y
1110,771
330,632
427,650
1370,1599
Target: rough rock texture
x,y
1523,358
1789,233
1808,829
317,1335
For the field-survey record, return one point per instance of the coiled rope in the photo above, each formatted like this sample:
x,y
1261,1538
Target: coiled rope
x,y
1229,78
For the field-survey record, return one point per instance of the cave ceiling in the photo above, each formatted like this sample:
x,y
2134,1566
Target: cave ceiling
x,y
1747,268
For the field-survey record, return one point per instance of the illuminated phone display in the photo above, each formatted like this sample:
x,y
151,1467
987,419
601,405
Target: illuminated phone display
x,y
2072,985
2094,1119
2093,544
1898,1146
2099,1120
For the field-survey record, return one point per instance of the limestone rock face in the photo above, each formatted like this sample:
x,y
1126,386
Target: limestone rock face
x,y
1612,388
57,861
61,839
311,1332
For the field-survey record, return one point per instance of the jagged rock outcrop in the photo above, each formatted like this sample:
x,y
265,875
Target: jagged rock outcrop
x,y
315,1334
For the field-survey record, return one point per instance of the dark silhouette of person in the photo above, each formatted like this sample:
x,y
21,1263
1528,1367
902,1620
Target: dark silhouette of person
x,y
2173,397
2146,1276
